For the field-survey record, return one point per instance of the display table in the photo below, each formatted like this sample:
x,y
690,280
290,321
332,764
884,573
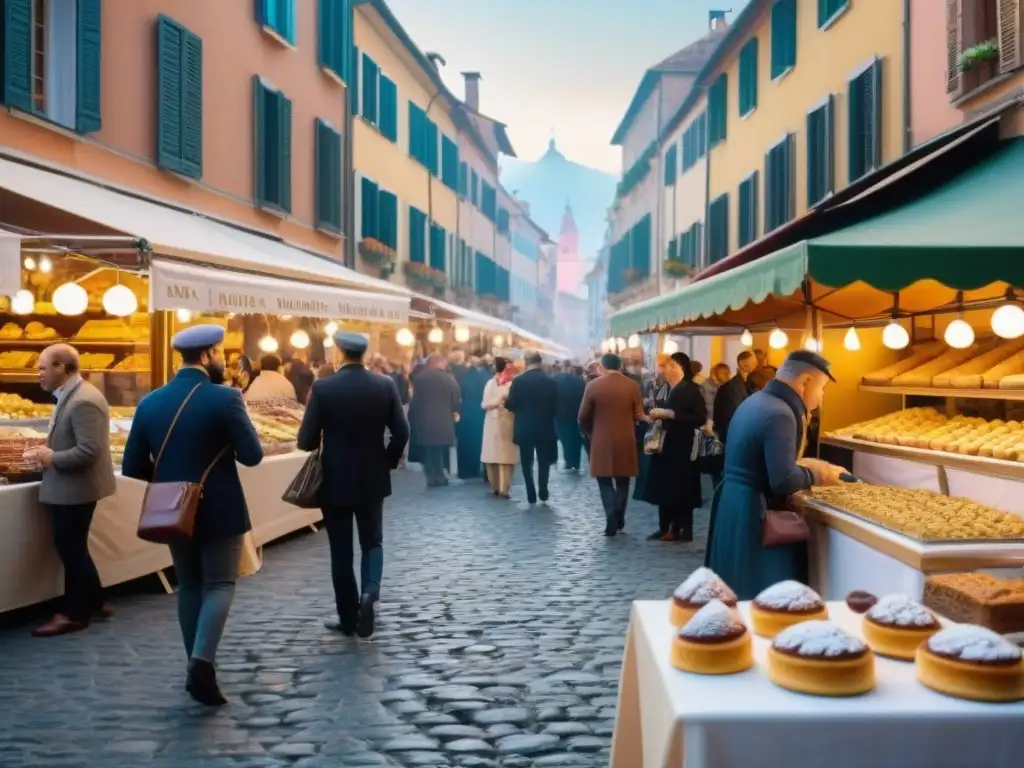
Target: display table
x,y
672,719
31,572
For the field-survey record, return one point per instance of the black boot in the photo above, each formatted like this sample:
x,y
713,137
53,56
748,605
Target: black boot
x,y
366,622
202,684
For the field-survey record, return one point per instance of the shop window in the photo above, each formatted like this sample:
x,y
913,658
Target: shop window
x,y
328,177
778,185
783,27
272,118
748,77
820,153
179,99
865,116
718,229
747,219
983,41
277,17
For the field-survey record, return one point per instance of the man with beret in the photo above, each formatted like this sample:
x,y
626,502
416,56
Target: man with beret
x,y
347,416
764,465
194,430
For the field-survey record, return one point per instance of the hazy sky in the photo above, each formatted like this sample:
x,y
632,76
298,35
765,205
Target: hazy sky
x,y
570,66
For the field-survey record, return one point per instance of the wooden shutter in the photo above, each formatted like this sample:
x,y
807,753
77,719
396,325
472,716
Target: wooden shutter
x,y
388,108
1009,35
169,82
17,54
285,171
259,139
192,106
370,72
353,82
954,47
88,68
328,177
368,204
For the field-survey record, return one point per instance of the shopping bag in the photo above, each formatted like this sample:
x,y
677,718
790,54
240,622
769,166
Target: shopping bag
x,y
250,559
654,439
304,490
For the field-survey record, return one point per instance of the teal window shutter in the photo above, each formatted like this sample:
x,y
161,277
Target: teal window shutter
x,y
286,152
463,180
437,247
865,122
747,224
450,168
417,236
748,77
503,221
673,250
778,185
430,137
179,92
417,130
334,37
702,135
473,187
328,176
388,221
353,82
272,113
369,84
87,74
718,229
388,109
829,9
820,153
17,54
718,109
671,166
277,16
783,30
369,204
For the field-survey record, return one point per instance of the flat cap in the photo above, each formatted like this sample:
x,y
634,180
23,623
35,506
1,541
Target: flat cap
x,y
346,341
812,359
198,337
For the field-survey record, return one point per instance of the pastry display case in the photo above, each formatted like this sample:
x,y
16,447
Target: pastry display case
x,y
277,423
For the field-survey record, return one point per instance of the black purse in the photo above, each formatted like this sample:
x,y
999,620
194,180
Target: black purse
x,y
304,490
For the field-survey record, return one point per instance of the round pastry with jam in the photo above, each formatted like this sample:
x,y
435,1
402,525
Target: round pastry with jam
x,y
783,605
713,642
818,658
701,587
971,662
896,625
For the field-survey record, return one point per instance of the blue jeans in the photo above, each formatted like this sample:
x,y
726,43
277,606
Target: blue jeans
x,y
206,572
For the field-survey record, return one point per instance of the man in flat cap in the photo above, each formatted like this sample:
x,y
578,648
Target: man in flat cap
x,y
194,430
764,464
349,414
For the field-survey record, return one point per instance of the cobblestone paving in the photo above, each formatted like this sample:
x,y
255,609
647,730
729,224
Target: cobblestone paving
x,y
499,644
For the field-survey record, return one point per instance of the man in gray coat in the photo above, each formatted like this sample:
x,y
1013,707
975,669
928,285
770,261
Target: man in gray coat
x,y
77,472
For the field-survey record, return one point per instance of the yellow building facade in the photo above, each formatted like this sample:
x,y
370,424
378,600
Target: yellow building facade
x,y
804,97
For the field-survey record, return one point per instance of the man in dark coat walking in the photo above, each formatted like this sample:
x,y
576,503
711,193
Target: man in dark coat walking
x,y
433,414
349,413
533,398
570,395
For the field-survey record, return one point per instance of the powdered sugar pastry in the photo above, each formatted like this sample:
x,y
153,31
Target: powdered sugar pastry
x,y
713,620
898,610
789,596
968,642
819,639
703,585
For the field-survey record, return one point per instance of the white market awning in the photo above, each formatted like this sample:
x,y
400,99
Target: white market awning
x,y
10,263
180,286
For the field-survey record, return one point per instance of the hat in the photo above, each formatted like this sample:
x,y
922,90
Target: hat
x,y
198,337
353,343
812,359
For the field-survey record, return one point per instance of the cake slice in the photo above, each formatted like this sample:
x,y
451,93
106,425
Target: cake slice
x,y
977,598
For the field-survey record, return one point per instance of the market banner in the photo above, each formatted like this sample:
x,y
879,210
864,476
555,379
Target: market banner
x,y
179,286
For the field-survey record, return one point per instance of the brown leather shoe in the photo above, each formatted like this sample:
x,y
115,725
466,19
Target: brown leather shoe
x,y
105,611
59,625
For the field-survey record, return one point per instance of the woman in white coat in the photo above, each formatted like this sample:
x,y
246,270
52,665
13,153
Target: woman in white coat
x,y
499,454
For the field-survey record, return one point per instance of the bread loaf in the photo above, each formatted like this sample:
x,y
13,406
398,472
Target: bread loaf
x,y
920,355
922,375
1014,381
968,375
1013,365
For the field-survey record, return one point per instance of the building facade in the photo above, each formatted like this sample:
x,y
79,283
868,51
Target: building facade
x,y
570,264
234,111
597,301
683,147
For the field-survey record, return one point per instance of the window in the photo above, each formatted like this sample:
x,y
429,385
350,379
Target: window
x,y
278,18
865,115
969,24
450,168
486,274
422,138
783,37
272,118
671,165
328,176
820,153
748,77
694,142
387,219
432,153
503,221
717,110
179,99
437,247
640,248
488,201
417,236
747,219
778,185
718,229
353,83
463,180
474,187
830,10
387,96
334,28
369,206
51,61
370,89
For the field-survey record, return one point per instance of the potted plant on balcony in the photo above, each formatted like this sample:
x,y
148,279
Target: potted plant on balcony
x,y
677,268
381,255
438,281
417,274
981,60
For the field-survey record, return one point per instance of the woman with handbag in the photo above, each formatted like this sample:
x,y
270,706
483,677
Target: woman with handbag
x,y
673,483
499,453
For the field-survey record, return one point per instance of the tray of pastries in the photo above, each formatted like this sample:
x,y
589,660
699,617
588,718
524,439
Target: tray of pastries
x,y
17,407
989,363
923,515
978,598
95,361
271,431
140,361
103,330
18,360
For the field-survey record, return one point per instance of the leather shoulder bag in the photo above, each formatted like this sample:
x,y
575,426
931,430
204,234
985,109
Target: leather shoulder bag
x,y
782,527
169,509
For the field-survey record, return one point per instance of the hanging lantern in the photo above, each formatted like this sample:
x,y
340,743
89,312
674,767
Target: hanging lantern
x,y
811,344
119,301
669,347
851,341
461,334
30,263
183,315
747,338
405,337
436,335
331,328
895,336
1008,321
959,334
778,339
498,340
633,341
299,339
70,299
45,265
268,345
23,302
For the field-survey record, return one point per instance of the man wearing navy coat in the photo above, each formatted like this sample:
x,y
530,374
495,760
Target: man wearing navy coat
x,y
212,432
348,415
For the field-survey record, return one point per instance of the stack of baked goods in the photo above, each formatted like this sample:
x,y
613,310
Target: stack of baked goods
x,y
18,359
36,331
819,658
896,625
103,330
139,362
17,407
713,642
95,361
784,604
978,598
971,662
988,363
13,444
700,588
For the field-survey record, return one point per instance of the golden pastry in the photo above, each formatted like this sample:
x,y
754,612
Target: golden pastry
x,y
783,605
818,658
701,587
896,625
971,662
713,642
10,331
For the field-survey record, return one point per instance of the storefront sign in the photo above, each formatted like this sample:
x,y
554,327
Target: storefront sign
x,y
178,286
10,263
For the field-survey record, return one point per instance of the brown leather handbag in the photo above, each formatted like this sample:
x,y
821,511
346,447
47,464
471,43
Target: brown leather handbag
x,y
169,509
781,527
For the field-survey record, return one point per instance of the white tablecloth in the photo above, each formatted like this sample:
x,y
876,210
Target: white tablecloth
x,y
673,719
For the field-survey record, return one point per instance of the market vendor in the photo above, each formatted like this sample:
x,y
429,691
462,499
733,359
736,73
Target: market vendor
x,y
764,466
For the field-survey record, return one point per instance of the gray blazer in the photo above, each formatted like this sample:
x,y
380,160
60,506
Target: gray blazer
x,y
82,471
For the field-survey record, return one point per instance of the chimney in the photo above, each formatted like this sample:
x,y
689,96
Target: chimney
x,y
472,97
716,20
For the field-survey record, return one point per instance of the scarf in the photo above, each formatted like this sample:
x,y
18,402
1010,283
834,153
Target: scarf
x,y
506,375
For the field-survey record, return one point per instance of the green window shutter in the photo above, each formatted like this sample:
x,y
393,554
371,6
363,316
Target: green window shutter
x,y
261,139
279,16
747,224
192,111
416,132
450,169
673,250
431,149
718,109
718,229
388,108
865,122
437,247
748,77
503,221
334,37
388,213
828,9
17,54
702,135
353,82
328,177
820,153
417,222
368,197
169,85
778,183
369,84
783,30
463,180
671,166
473,188
286,153
88,70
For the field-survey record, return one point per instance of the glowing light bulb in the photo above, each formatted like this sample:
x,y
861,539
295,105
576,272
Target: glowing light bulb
x,y
23,302
45,265
778,339
747,338
1008,321
633,341
461,334
436,335
183,315
268,344
669,347
30,263
405,337
328,342
895,336
811,344
959,335
499,341
119,301
331,328
70,299
851,341
299,339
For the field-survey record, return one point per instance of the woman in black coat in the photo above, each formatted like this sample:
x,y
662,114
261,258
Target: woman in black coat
x,y
674,480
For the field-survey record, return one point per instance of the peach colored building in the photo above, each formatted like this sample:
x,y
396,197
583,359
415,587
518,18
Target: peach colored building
x,y
930,110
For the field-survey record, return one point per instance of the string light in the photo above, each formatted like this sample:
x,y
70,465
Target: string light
x,y
670,347
499,340
959,334
778,339
30,263
811,344
331,328
851,341
268,345
119,301
23,302
183,315
299,339
461,334
70,299
633,341
1008,321
435,336
45,265
747,338
895,336
405,337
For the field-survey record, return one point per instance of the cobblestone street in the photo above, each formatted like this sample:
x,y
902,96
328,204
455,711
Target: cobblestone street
x,y
499,644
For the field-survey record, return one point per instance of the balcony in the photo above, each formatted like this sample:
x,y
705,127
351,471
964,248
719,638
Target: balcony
x,y
983,45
